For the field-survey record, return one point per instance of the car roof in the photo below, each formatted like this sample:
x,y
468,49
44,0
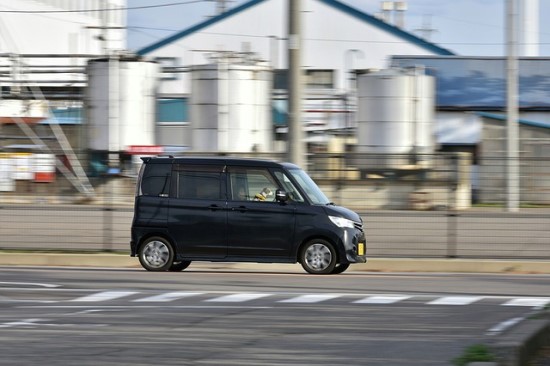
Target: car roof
x,y
218,161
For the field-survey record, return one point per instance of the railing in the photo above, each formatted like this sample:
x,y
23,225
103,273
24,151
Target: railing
x,y
429,206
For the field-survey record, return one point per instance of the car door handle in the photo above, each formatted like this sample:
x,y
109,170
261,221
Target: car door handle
x,y
215,207
240,209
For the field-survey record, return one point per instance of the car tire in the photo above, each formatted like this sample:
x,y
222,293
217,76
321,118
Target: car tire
x,y
179,266
156,254
340,268
318,256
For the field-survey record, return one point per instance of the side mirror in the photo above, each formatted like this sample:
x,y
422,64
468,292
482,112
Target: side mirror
x,y
281,196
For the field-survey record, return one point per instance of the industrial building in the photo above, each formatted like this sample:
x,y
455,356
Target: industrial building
x,y
255,35
382,97
42,84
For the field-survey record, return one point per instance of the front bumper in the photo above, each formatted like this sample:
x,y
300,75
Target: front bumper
x,y
355,246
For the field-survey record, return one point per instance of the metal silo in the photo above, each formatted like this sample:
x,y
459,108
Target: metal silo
x,y
231,108
395,115
120,102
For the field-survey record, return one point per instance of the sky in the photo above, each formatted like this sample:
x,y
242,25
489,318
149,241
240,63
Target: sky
x,y
466,27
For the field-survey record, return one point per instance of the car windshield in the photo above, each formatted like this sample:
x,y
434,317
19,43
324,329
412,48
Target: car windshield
x,y
315,195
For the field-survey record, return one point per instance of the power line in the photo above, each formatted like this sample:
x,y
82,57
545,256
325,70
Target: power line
x,y
104,9
136,28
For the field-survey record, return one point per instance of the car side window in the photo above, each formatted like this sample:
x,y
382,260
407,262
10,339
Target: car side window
x,y
199,183
156,180
251,184
289,187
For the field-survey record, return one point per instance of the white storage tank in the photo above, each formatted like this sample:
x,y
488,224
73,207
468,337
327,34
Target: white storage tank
x,y
120,102
231,107
395,114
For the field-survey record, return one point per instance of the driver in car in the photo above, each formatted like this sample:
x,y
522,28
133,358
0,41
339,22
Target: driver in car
x,y
263,195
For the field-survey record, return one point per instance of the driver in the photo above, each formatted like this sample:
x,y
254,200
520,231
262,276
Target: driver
x,y
264,193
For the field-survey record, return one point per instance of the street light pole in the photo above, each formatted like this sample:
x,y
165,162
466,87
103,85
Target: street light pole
x,y
295,142
512,144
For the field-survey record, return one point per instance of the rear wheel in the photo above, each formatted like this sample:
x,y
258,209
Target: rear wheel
x,y
179,266
156,254
318,257
340,268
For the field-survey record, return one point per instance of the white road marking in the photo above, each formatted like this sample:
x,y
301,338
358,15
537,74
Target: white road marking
x,y
104,296
34,323
296,298
47,285
169,296
237,297
125,307
311,298
22,323
528,301
385,299
502,326
455,300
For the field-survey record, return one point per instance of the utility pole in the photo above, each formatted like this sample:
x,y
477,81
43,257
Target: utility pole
x,y
512,144
295,141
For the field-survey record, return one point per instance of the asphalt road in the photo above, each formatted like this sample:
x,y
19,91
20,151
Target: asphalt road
x,y
71,316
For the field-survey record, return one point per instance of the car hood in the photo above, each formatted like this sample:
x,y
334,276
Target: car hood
x,y
342,212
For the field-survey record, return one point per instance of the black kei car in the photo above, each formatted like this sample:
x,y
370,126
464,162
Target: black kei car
x,y
239,210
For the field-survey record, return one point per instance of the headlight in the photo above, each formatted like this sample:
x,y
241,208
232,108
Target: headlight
x,y
341,222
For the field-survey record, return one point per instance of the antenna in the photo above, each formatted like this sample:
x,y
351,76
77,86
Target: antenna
x,y
221,6
426,30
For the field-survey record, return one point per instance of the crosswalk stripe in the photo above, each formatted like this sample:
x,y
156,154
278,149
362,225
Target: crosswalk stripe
x,y
379,299
532,301
455,300
311,298
169,296
238,297
104,296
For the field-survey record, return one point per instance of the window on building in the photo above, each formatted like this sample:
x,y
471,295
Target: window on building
x,y
314,79
280,79
173,110
169,66
320,79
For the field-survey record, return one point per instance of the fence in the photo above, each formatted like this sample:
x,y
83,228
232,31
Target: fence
x,y
428,206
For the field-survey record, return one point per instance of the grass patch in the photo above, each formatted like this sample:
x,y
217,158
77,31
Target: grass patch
x,y
475,353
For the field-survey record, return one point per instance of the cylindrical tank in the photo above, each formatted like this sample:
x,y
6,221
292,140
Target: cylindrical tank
x,y
230,107
120,103
395,115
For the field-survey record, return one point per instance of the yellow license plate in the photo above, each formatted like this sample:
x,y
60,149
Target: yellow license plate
x,y
361,249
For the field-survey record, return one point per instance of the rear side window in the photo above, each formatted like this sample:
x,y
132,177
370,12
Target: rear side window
x,y
155,180
200,182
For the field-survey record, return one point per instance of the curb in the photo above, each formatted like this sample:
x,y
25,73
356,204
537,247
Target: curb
x,y
373,264
519,346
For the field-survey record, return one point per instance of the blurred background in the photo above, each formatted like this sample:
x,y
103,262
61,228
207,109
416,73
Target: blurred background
x,y
434,125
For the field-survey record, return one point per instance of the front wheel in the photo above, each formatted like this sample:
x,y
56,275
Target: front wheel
x,y
156,254
318,257
179,266
340,268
